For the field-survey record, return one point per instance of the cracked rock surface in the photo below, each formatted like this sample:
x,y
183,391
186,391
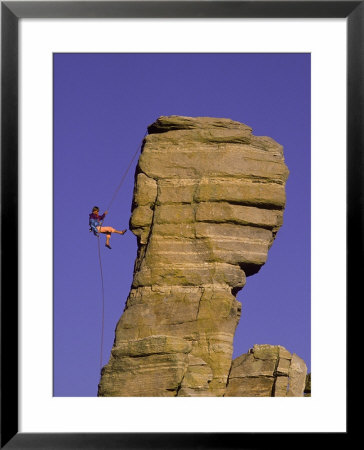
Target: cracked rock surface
x,y
208,201
267,371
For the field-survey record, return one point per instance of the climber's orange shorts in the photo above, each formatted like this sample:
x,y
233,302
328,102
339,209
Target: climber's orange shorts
x,y
105,229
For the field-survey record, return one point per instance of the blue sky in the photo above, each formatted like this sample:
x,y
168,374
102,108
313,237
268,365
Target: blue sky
x,y
103,104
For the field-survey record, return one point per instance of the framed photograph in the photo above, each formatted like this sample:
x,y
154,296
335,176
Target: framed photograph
x,y
89,91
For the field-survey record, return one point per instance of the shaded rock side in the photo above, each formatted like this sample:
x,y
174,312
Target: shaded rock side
x,y
307,391
267,371
208,202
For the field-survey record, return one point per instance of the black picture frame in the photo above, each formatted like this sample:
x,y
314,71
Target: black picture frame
x,y
11,12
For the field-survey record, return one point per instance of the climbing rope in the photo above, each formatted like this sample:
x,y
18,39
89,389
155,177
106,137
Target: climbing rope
x,y
123,177
103,303
99,251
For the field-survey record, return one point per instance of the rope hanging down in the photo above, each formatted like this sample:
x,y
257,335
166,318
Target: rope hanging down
x,y
99,252
103,304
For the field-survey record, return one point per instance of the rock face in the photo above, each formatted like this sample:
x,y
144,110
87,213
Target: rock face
x,y
267,371
307,391
208,201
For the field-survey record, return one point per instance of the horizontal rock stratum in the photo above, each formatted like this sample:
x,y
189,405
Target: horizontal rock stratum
x,y
267,371
208,201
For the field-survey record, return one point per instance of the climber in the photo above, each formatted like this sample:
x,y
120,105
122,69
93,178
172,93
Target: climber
x,y
95,222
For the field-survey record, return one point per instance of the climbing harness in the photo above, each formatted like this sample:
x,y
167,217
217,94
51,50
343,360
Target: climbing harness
x,y
98,246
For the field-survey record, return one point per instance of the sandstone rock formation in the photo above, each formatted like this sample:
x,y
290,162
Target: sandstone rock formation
x,y
267,371
208,201
307,391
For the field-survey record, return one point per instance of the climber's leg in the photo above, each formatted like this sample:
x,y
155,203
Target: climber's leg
x,y
106,229
108,235
120,232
